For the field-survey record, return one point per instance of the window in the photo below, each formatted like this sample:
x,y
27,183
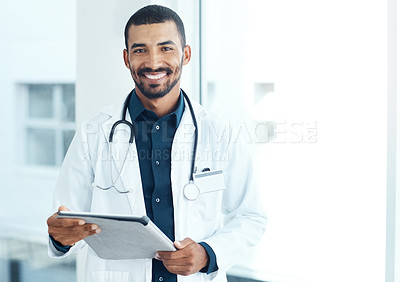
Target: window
x,y
48,123
316,71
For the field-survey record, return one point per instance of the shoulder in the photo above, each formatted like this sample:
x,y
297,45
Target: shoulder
x,y
96,129
204,115
216,128
212,126
108,113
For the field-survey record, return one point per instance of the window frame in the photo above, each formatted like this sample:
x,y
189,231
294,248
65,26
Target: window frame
x,y
393,154
55,123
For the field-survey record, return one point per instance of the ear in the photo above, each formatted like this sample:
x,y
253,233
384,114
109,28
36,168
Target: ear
x,y
187,54
126,58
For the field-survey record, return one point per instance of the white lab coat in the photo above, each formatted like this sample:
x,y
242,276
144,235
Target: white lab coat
x,y
230,220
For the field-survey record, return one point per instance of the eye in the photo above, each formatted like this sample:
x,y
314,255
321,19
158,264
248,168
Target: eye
x,y
166,48
139,50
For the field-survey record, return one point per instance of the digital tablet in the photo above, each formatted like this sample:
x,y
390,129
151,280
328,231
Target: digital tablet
x,y
123,236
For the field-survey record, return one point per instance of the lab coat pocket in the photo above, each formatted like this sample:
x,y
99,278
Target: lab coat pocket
x,y
205,213
206,203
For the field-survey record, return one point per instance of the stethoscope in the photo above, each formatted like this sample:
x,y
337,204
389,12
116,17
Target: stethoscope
x,y
190,190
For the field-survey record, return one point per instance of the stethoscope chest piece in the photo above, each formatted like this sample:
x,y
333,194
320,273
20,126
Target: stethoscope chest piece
x,y
191,191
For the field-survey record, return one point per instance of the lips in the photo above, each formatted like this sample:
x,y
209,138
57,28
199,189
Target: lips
x,y
155,76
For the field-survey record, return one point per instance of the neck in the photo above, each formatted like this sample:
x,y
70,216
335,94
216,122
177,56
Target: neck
x,y
161,106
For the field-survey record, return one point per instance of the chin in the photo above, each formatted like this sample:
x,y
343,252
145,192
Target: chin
x,y
151,94
156,91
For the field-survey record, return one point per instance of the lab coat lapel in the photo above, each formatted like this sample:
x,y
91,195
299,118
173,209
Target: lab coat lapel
x,y
181,154
125,160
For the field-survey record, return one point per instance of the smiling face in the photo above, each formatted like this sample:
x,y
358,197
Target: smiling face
x,y
155,58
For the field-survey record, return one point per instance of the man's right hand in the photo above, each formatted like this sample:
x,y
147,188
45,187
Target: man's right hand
x,y
68,231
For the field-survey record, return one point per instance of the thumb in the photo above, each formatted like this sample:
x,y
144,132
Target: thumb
x,y
183,244
63,208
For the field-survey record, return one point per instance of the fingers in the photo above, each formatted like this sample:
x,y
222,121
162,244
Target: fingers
x,y
183,244
67,221
63,208
64,222
188,259
180,245
68,231
181,267
69,236
54,221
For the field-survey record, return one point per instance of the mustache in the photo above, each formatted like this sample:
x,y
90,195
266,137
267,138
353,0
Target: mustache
x,y
165,69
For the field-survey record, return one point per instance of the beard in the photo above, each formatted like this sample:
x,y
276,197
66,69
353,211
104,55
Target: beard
x,y
150,91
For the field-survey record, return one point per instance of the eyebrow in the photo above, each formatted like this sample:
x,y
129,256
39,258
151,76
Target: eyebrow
x,y
168,42
134,45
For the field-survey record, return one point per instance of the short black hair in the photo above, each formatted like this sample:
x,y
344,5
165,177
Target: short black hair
x,y
152,14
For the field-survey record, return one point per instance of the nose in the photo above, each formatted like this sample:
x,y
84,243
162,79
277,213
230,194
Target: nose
x,y
154,60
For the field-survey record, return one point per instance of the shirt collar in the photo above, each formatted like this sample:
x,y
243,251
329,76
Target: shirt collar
x,y
179,110
136,109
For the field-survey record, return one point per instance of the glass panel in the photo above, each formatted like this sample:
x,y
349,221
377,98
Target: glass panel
x,y
68,107
40,146
67,138
40,101
293,65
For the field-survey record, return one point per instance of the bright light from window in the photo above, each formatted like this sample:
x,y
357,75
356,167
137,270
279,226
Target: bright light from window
x,y
317,69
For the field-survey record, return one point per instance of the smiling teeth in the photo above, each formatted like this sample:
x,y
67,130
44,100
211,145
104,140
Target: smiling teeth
x,y
158,76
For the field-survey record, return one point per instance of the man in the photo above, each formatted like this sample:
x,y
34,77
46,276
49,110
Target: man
x,y
210,230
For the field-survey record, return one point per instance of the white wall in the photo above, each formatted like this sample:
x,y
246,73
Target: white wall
x,y
102,77
38,46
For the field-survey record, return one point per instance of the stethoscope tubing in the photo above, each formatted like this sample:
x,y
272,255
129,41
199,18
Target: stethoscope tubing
x,y
131,126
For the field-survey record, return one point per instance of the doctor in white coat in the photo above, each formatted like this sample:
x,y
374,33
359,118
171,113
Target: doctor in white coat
x,y
229,219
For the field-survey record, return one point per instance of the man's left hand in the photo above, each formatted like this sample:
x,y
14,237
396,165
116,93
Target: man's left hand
x,y
189,258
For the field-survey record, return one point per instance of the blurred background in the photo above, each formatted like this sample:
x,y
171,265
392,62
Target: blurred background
x,y
309,82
